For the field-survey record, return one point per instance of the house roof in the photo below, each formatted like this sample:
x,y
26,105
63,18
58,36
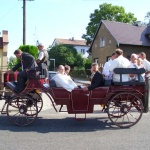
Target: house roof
x,y
125,33
71,42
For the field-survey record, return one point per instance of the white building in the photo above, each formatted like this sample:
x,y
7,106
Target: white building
x,y
79,45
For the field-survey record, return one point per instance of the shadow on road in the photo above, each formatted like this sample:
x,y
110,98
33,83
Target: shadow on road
x,y
42,125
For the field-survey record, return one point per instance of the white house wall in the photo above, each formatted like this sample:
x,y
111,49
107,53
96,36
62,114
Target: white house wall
x,y
79,48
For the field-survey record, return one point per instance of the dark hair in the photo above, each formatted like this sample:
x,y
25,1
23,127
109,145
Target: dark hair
x,y
18,51
143,54
67,67
113,54
119,52
95,64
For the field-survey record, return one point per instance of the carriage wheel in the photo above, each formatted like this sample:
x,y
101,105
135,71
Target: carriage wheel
x,y
125,109
39,102
19,112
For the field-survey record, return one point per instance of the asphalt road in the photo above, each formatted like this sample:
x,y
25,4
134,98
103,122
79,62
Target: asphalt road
x,y
60,131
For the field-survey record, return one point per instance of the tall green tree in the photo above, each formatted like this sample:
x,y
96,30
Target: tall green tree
x,y
33,50
106,12
65,54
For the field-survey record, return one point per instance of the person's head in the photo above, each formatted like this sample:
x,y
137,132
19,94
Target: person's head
x,y
113,56
61,69
95,67
139,61
133,58
142,55
18,53
118,52
40,46
67,69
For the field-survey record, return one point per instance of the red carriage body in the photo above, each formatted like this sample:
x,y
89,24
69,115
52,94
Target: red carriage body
x,y
123,96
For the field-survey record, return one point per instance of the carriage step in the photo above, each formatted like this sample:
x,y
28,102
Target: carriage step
x,y
80,117
3,112
4,107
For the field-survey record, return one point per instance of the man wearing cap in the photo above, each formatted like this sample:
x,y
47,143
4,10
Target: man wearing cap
x,y
42,57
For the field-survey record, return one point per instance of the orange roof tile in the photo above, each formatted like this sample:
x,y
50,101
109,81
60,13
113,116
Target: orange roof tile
x,y
71,42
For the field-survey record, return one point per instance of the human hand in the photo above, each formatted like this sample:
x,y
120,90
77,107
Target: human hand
x,y
85,89
27,70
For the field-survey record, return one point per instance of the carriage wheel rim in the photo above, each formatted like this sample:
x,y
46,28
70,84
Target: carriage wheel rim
x,y
19,114
126,114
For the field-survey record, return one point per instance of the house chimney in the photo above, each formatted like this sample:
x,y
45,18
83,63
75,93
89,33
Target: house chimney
x,y
5,36
72,39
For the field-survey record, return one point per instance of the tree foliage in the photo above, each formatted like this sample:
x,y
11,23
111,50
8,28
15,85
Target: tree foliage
x,y
33,50
106,12
147,17
65,54
12,62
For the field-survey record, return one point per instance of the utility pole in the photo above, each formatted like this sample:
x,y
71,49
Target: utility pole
x,y
24,21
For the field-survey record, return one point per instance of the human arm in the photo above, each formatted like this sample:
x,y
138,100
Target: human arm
x,y
17,66
106,69
28,61
40,57
113,65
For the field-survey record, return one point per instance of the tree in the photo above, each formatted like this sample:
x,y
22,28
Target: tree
x,y
79,60
65,54
33,50
12,62
147,17
106,12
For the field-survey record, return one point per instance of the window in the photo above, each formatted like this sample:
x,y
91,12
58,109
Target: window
x,y
109,42
96,60
102,42
83,51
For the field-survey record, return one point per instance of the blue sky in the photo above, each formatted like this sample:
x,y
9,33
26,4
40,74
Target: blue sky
x,y
50,19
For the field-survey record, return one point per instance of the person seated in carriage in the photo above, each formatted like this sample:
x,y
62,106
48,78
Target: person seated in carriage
x,y
67,70
27,62
63,80
97,79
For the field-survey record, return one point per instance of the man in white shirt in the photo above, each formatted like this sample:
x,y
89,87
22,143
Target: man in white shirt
x,y
63,80
146,65
119,62
106,72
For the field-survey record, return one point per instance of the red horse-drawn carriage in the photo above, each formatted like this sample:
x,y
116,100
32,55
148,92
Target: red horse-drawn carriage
x,y
122,101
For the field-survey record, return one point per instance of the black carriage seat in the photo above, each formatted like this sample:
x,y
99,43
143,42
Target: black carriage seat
x,y
135,71
50,85
37,73
107,82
